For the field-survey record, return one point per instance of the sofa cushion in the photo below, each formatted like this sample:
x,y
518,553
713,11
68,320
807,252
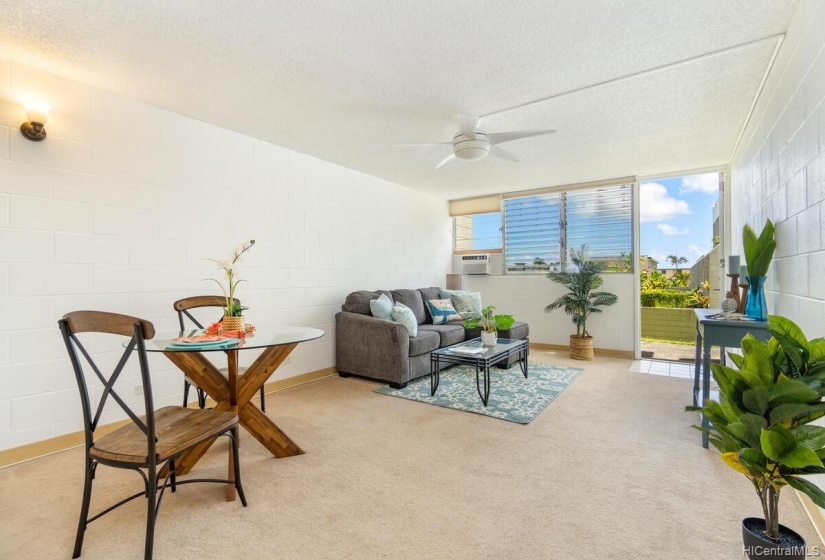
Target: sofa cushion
x,y
403,315
412,299
449,334
426,295
517,331
442,311
359,302
423,342
381,308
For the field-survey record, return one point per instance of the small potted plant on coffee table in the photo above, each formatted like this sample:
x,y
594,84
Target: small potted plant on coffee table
x,y
490,324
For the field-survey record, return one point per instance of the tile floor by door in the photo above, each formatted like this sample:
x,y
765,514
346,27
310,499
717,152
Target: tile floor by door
x,y
668,369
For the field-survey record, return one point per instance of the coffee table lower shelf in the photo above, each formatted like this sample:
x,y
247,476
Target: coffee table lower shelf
x,y
492,355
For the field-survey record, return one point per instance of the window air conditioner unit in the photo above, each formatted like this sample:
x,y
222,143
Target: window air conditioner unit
x,y
475,264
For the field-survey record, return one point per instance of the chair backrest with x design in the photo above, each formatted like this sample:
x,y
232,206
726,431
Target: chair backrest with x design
x,y
183,306
138,331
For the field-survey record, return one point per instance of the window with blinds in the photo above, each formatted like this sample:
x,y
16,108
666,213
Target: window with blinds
x,y
477,232
539,230
533,233
602,219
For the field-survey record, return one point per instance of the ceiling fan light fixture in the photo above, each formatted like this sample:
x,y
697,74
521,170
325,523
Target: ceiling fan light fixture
x,y
471,148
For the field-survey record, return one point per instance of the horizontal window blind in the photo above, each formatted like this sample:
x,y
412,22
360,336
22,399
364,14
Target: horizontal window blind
x,y
602,219
532,232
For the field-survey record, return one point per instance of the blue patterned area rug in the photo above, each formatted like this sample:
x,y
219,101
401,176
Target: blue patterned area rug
x,y
512,397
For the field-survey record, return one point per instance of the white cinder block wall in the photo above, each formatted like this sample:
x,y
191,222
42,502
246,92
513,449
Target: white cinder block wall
x,y
779,174
526,296
117,209
779,171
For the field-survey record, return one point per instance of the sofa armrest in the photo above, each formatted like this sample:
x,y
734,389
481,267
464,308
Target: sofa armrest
x,y
371,347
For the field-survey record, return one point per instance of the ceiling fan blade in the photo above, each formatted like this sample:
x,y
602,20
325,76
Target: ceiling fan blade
x,y
502,137
503,154
468,124
422,144
447,160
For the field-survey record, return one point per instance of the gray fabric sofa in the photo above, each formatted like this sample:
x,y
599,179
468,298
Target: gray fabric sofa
x,y
383,350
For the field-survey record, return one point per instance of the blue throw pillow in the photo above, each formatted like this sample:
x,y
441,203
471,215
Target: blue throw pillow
x,y
381,308
442,311
403,315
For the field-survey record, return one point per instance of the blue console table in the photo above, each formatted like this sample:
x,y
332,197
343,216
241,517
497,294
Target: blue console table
x,y
722,333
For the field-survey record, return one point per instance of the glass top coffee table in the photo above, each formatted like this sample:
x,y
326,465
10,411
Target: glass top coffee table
x,y
482,357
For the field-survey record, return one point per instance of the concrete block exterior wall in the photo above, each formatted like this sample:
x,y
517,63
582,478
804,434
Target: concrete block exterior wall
x,y
669,323
117,209
778,173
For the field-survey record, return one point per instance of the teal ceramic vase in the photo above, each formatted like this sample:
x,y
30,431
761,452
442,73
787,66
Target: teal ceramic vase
x,y
756,307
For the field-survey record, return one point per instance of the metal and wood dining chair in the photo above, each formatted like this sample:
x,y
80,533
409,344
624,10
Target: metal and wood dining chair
x,y
183,307
150,442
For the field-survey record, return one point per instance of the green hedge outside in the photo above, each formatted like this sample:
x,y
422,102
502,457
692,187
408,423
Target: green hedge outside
x,y
666,298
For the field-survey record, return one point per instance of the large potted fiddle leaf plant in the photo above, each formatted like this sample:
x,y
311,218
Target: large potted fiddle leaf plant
x,y
582,299
762,428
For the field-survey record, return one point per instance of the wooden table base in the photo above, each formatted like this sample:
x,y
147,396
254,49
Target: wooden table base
x,y
235,393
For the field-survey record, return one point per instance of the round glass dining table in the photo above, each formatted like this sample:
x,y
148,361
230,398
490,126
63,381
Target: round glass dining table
x,y
234,390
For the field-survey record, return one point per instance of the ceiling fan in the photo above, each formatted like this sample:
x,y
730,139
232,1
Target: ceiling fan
x,y
471,144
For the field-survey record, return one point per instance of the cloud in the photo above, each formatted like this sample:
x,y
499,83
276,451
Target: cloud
x,y
655,205
707,183
695,250
668,229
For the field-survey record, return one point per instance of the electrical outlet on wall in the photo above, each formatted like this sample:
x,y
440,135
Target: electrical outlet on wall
x,y
139,390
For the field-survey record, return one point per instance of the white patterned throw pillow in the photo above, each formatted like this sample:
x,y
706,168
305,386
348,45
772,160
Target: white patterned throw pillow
x,y
468,303
403,315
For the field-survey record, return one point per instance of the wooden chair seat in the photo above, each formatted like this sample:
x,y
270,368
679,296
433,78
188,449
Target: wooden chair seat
x,y
176,428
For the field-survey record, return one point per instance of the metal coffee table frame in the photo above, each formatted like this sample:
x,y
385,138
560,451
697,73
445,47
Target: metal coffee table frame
x,y
501,352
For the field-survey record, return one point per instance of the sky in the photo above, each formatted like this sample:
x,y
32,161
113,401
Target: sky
x,y
677,217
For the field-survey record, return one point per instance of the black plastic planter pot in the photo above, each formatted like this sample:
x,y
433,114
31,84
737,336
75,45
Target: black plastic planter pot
x,y
791,545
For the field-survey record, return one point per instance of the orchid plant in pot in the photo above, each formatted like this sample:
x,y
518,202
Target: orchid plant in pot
x,y
233,319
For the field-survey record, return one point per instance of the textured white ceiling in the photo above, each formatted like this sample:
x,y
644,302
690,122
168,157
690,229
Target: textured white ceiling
x,y
344,81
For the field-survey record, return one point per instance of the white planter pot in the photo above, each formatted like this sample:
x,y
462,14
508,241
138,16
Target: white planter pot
x,y
489,338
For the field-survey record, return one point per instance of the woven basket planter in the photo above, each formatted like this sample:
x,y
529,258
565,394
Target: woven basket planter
x,y
233,323
581,348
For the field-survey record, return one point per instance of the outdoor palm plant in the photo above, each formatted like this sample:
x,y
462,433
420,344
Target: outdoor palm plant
x,y
582,299
676,260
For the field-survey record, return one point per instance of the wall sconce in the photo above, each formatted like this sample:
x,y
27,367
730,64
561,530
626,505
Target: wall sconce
x,y
34,129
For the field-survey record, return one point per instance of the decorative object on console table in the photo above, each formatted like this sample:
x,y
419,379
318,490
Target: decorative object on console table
x,y
743,287
733,274
582,300
762,427
233,319
490,324
758,254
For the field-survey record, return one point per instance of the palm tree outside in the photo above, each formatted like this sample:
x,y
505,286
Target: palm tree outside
x,y
676,260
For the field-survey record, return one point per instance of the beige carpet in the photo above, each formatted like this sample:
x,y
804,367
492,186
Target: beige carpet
x,y
611,469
